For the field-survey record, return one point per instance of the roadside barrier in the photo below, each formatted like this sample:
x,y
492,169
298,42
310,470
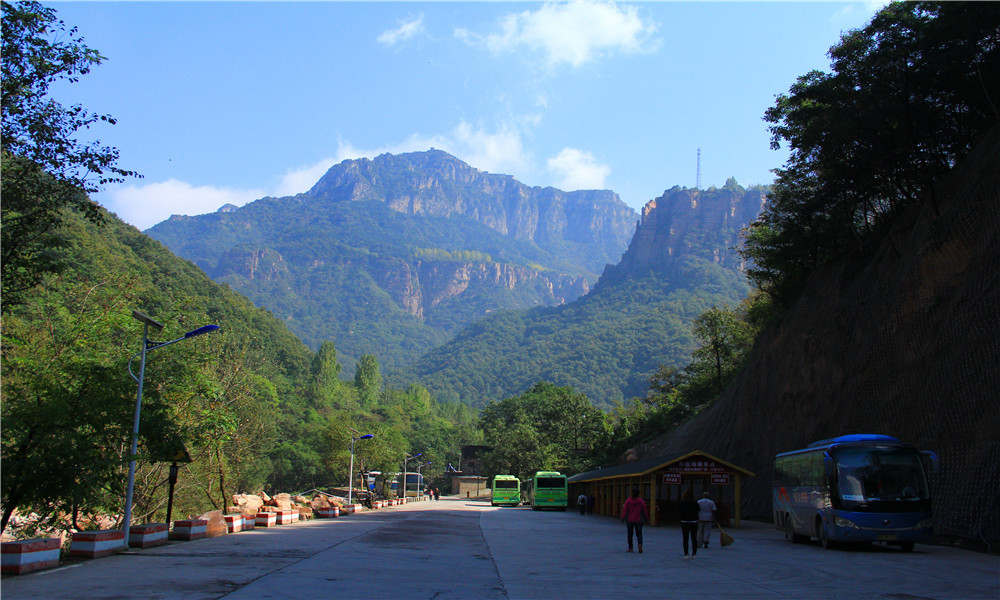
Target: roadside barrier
x,y
25,556
190,529
95,544
284,517
145,536
234,523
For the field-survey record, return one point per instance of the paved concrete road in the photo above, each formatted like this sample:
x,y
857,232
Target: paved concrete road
x,y
460,549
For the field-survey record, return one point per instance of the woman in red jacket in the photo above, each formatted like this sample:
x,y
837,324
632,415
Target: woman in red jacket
x,y
634,514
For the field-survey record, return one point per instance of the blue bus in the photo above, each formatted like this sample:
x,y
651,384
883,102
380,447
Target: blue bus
x,y
854,488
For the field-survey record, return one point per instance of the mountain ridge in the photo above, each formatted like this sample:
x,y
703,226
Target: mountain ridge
x,y
392,255
638,316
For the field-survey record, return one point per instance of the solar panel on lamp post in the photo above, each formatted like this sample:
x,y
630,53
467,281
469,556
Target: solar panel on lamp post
x,y
147,345
350,483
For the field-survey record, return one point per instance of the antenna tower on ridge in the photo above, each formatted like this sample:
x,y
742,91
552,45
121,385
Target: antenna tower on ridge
x,y
697,177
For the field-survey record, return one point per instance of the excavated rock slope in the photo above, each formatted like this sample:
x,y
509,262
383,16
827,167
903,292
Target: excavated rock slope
x,y
904,342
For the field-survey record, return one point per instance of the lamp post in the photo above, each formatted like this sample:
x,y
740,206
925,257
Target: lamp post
x,y
420,479
407,457
350,484
147,345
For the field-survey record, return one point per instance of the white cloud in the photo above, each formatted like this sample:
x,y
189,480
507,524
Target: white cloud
x,y
146,205
578,170
405,31
500,151
851,13
300,179
573,33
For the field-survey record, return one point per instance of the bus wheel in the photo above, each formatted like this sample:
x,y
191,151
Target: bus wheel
x,y
824,539
790,534
906,546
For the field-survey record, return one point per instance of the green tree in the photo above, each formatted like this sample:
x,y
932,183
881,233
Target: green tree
x,y
67,408
908,95
328,391
45,167
368,379
725,339
546,427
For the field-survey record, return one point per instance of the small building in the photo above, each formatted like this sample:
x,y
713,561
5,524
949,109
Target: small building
x,y
662,481
469,486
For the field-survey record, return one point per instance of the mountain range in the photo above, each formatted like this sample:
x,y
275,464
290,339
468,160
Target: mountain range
x,y
474,283
393,255
607,344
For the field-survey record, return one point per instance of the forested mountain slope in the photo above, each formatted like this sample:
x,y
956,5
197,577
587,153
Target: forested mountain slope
x,y
391,256
607,344
905,342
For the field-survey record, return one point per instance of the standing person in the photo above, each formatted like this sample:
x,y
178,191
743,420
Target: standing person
x,y
581,503
591,501
706,515
437,494
634,514
689,522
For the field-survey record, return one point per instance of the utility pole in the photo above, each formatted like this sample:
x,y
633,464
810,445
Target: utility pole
x,y
697,177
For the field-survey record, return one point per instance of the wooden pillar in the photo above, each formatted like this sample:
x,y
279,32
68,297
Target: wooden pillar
x,y
736,512
652,499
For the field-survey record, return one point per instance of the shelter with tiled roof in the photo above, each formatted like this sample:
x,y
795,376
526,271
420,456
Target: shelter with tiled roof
x,y
661,481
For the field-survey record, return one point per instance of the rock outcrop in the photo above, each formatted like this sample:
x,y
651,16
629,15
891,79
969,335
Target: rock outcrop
x,y
434,183
684,222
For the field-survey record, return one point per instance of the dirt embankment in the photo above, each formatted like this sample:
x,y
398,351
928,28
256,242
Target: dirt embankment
x,y
905,342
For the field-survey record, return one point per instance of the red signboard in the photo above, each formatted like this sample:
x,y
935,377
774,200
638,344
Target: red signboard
x,y
697,465
720,478
671,478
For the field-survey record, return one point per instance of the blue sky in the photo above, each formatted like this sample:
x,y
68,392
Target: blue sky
x,y
228,102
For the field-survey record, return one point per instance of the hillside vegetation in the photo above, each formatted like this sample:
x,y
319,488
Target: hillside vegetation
x,y
639,316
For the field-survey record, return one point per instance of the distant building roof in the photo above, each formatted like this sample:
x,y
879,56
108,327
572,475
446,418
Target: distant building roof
x,y
649,465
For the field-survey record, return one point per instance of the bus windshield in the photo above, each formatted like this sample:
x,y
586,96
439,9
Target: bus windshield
x,y
551,482
506,484
873,477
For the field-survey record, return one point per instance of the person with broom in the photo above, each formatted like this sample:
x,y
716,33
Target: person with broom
x,y
706,516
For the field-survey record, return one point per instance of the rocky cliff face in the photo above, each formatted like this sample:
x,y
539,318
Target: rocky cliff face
x,y
905,342
684,222
435,183
422,287
262,265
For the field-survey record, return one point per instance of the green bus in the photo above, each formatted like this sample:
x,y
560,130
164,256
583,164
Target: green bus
x,y
506,490
547,489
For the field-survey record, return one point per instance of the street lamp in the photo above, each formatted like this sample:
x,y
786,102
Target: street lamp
x,y
350,484
147,345
407,457
420,479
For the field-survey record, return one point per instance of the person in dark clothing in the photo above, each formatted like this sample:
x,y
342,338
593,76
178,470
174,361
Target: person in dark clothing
x,y
689,523
634,514
591,501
